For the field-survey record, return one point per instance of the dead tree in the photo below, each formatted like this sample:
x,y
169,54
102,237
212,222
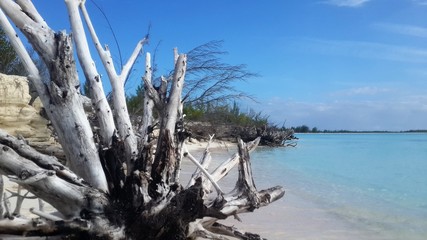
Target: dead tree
x,y
125,185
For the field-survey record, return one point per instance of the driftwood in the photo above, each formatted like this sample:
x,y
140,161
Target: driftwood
x,y
269,135
126,183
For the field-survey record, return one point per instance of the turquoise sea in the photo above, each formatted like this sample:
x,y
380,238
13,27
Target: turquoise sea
x,y
345,186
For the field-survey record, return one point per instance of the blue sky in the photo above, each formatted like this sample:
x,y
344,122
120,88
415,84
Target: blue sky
x,y
333,64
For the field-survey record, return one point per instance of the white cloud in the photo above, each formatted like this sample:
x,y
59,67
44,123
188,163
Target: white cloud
x,y
420,2
418,72
409,30
400,113
362,49
367,90
346,3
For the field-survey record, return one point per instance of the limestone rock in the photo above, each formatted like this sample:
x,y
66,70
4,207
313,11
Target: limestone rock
x,y
17,117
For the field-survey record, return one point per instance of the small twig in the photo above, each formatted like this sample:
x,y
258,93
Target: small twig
x,y
14,194
218,189
45,215
41,205
209,143
205,161
233,232
7,206
19,200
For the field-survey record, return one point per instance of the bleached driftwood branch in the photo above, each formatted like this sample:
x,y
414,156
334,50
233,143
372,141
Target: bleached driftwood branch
x,y
69,198
122,118
147,117
202,168
60,96
244,198
99,101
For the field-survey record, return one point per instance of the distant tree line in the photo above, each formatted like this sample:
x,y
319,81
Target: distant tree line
x,y
304,129
307,129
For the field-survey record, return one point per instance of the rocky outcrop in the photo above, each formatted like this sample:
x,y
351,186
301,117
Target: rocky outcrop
x,y
17,117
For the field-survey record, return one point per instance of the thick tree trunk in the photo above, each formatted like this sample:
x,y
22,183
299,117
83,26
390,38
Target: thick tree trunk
x,y
144,198
60,96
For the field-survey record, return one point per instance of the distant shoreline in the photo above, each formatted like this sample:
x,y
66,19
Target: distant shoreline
x,y
348,131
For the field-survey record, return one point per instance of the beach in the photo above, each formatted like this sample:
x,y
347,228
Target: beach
x,y
325,197
291,217
339,186
288,218
10,186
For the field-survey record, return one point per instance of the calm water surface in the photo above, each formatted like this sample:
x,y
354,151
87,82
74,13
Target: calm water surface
x,y
376,183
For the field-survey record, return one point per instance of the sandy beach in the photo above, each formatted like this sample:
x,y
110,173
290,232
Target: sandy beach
x,y
11,187
291,217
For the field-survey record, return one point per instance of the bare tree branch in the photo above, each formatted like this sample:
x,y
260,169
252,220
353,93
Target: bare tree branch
x,y
147,118
210,79
99,101
122,117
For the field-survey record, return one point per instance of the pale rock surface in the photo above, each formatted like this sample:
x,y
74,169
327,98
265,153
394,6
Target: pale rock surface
x,y
17,117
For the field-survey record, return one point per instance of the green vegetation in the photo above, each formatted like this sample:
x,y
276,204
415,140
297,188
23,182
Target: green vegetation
x,y
214,113
228,122
225,114
9,61
302,129
135,102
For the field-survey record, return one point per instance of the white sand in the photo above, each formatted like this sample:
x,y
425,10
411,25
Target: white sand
x,y
27,204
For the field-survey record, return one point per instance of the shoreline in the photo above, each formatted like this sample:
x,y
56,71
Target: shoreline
x,y
295,216
366,132
291,217
195,146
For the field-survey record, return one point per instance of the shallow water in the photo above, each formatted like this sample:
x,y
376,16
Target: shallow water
x,y
364,186
341,186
